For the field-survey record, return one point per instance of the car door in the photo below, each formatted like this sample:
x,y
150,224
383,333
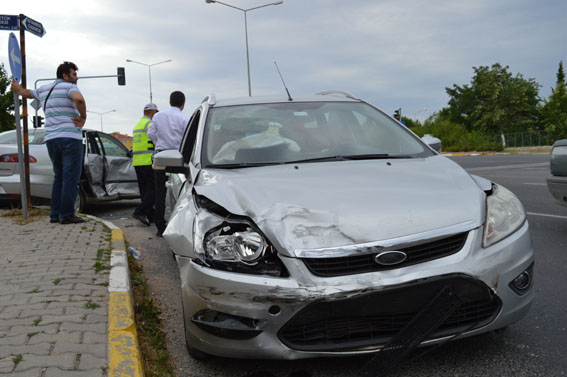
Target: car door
x,y
108,167
178,182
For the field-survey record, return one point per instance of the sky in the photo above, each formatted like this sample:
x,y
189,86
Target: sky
x,y
392,53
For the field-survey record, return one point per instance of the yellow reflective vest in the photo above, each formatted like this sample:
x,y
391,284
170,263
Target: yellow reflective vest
x,y
142,146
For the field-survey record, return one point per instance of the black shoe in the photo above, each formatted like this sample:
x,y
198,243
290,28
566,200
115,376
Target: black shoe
x,y
159,233
71,220
53,220
141,219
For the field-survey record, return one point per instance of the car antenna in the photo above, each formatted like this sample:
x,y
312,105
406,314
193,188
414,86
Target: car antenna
x,y
287,91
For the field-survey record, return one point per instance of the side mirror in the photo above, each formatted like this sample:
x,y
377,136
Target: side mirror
x,y
432,141
171,161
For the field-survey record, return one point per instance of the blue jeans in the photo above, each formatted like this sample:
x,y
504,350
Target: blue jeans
x,y
66,155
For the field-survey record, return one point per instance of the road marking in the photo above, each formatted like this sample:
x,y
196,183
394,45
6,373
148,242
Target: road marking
x,y
518,166
546,215
535,184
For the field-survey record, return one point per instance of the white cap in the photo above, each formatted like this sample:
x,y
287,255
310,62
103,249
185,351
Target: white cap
x,y
150,106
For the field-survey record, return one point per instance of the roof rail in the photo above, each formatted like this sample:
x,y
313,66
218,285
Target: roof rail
x,y
327,92
210,99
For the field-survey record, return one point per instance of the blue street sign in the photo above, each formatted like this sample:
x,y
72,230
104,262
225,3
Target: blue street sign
x,y
32,26
15,57
8,22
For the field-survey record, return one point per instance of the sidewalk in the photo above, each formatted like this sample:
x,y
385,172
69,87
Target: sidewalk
x,y
58,285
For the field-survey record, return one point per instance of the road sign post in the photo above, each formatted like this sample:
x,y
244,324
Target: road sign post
x,y
16,68
18,62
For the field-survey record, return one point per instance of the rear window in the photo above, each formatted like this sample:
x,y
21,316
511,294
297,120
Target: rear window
x,y
35,136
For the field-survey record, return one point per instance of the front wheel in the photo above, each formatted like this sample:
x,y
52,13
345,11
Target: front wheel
x,y
81,202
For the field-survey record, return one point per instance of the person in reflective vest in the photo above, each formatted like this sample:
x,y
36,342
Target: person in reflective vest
x,y
143,148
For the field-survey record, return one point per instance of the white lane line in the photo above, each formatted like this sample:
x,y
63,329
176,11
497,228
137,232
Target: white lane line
x,y
518,166
546,215
535,184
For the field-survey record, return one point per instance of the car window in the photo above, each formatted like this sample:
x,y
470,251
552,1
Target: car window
x,y
282,132
112,147
35,136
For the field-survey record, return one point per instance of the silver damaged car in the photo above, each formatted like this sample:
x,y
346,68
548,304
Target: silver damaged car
x,y
320,226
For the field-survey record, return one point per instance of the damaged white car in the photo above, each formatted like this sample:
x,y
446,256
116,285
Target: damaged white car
x,y
320,226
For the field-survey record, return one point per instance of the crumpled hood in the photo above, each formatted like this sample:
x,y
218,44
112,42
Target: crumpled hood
x,y
330,204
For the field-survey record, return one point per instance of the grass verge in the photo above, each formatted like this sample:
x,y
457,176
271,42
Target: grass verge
x,y
153,341
17,216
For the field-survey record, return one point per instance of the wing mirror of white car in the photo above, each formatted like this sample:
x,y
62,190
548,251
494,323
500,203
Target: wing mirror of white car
x,y
170,161
432,141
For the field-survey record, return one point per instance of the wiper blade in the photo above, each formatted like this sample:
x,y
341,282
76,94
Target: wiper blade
x,y
367,156
242,165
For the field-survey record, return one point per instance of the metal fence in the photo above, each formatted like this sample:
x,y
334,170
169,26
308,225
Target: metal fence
x,y
528,139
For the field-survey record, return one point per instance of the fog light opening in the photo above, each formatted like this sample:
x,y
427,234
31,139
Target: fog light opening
x,y
523,282
274,310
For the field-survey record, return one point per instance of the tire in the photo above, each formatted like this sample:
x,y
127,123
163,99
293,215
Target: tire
x,y
81,202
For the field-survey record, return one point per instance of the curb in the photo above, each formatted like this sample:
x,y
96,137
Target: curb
x,y
124,357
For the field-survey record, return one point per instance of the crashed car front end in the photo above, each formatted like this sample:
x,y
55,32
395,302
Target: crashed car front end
x,y
244,299
325,228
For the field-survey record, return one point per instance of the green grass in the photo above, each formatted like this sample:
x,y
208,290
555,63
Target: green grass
x,y
153,342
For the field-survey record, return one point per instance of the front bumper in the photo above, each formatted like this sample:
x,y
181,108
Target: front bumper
x,y
257,312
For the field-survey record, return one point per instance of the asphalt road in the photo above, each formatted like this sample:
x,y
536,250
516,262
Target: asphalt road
x,y
533,347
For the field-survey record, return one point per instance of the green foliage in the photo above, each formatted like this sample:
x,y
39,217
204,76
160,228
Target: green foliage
x,y
495,102
560,74
455,137
554,110
7,119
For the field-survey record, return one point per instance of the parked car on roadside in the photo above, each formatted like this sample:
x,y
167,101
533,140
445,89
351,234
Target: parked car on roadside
x,y
107,173
557,180
320,227
432,141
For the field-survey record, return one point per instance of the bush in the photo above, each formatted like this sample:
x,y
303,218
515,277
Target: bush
x,y
455,137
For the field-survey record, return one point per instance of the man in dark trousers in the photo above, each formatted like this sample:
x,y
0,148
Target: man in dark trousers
x,y
142,149
166,131
65,115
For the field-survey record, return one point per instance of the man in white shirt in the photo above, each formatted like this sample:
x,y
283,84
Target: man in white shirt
x,y
166,131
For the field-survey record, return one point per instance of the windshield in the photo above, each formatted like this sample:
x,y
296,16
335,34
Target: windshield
x,y
35,136
251,135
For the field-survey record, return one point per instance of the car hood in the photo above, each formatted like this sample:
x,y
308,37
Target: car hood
x,y
330,204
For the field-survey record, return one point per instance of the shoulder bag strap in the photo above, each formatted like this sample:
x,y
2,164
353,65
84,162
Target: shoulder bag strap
x,y
48,94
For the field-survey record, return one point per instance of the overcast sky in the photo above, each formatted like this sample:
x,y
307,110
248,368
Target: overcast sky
x,y
393,53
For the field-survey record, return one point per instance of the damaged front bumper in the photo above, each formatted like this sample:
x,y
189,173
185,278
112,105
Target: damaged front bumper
x,y
247,316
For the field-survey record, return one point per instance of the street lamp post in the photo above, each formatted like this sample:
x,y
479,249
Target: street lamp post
x,y
245,30
101,114
149,71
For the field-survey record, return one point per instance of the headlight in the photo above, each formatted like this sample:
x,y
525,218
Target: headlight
x,y
504,215
234,244
246,246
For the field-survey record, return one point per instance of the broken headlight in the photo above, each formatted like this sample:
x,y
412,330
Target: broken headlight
x,y
504,215
234,244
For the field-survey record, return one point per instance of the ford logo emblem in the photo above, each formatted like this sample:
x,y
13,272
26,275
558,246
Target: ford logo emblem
x,y
390,258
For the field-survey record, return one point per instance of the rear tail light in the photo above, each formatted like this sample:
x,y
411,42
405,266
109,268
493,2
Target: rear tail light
x,y
13,157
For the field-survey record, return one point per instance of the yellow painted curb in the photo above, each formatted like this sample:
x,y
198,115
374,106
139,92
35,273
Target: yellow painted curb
x,y
123,353
124,358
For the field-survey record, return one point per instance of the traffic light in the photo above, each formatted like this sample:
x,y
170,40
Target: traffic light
x,y
121,76
37,121
398,114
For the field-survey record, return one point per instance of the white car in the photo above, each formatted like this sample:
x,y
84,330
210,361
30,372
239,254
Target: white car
x,y
107,173
319,226
557,180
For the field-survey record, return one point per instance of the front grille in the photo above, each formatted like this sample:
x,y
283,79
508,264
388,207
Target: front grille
x,y
373,319
358,264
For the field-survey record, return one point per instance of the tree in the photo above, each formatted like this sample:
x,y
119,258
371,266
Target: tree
x,y
560,74
495,102
7,119
554,111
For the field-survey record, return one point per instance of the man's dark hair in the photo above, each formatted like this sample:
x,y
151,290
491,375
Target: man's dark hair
x,y
65,68
177,99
